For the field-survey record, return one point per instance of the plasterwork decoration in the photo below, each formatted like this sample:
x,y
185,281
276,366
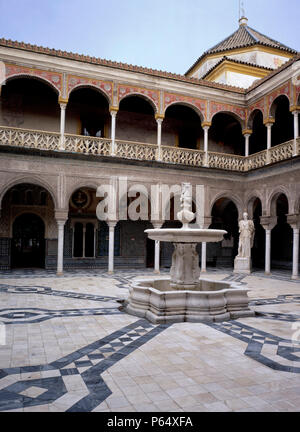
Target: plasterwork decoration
x,y
125,90
284,90
200,104
259,105
104,86
216,107
54,78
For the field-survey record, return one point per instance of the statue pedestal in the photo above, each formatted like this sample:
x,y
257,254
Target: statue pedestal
x,y
242,265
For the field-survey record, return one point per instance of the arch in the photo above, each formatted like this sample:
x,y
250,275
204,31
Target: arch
x,y
232,197
252,114
34,77
232,114
188,105
272,200
273,107
142,96
80,185
249,202
92,87
31,180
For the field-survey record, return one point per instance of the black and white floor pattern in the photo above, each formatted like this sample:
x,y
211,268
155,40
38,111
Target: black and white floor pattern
x,y
89,362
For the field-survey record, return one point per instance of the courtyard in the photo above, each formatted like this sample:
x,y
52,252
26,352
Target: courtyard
x,y
67,346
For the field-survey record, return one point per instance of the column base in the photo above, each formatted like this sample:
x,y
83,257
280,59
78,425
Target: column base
x,y
59,273
268,273
156,271
110,272
295,277
203,271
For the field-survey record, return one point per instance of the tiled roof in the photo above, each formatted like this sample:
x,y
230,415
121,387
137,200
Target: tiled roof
x,y
109,63
228,59
162,74
244,37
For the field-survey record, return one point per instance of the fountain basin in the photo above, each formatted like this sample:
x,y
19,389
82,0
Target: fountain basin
x,y
210,301
186,235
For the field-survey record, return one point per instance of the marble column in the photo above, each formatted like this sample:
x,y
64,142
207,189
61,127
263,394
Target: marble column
x,y
111,246
268,223
203,257
113,113
268,252
63,107
205,126
295,273
159,121
269,135
296,131
60,246
247,134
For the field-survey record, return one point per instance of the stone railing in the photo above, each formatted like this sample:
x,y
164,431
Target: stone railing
x,y
226,161
177,155
256,160
34,139
29,138
87,145
281,152
135,150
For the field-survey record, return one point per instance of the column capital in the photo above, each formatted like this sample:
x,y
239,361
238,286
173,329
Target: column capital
x,y
111,223
63,101
268,222
269,121
61,216
247,132
295,109
294,220
206,124
159,117
113,109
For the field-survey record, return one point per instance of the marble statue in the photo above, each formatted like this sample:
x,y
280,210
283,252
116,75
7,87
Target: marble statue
x,y
246,230
242,262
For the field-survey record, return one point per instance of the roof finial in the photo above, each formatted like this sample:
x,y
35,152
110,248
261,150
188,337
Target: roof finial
x,y
243,21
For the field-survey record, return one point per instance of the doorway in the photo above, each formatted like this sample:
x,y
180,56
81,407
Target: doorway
x,y
28,242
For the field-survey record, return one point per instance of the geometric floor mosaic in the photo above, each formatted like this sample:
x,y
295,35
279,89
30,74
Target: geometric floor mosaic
x,y
89,376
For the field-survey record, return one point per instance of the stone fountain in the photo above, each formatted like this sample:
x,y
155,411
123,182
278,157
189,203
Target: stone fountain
x,y
184,296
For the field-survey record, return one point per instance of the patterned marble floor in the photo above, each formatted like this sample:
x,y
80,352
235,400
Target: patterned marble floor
x,y
66,346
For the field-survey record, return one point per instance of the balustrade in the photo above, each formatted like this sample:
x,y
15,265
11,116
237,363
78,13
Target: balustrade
x,y
25,138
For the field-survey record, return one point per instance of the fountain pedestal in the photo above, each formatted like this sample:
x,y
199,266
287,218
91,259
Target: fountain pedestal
x,y
185,270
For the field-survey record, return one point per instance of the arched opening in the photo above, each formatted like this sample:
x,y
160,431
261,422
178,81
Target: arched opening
x,y
182,128
87,113
28,236
28,241
225,135
136,121
283,128
136,248
30,104
224,216
282,236
258,138
258,250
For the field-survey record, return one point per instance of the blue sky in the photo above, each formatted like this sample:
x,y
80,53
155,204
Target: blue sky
x,y
161,34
